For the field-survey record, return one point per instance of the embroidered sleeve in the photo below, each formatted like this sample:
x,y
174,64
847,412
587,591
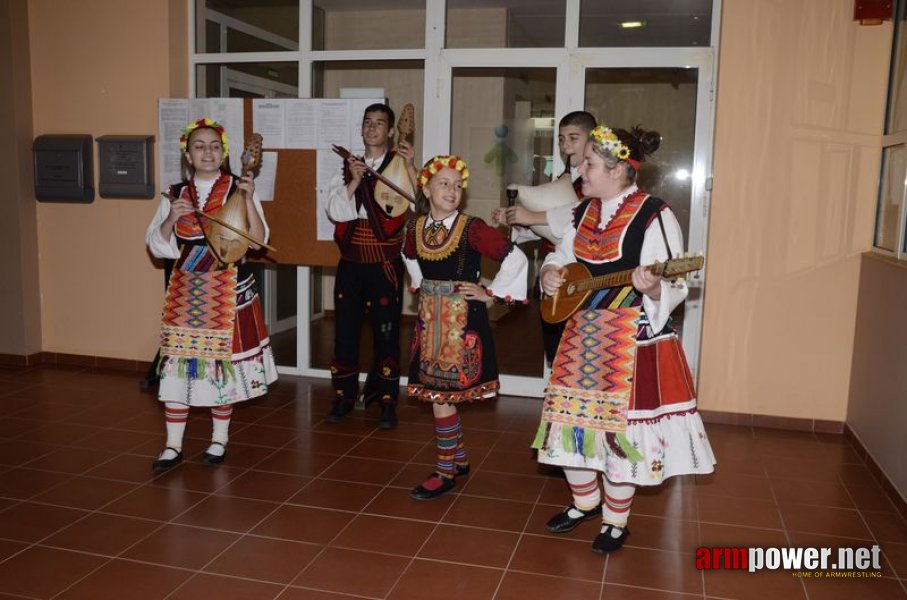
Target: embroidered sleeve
x,y
509,284
488,241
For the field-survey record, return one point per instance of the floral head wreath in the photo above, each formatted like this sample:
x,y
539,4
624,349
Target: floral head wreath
x,y
210,124
440,162
608,140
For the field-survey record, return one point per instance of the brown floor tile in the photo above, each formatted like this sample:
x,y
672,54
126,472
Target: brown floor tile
x,y
181,546
670,571
384,534
60,433
102,534
262,435
338,495
297,462
730,535
28,573
829,588
376,574
323,442
25,483
836,542
15,453
407,432
227,513
742,585
396,502
240,456
304,524
9,547
85,492
125,467
13,427
351,425
886,527
728,483
669,501
820,519
198,477
528,586
469,545
276,561
869,495
657,533
516,463
363,470
298,593
817,493
428,579
384,449
739,511
489,513
156,503
29,522
225,588
144,582
504,486
623,592
274,487
896,554
558,556
786,467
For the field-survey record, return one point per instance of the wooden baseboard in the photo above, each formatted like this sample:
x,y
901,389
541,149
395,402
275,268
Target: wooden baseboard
x,y
74,360
772,422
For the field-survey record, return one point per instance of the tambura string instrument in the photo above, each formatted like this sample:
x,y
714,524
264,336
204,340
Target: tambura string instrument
x,y
580,284
391,202
227,230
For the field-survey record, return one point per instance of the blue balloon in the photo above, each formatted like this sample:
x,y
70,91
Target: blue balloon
x,y
501,131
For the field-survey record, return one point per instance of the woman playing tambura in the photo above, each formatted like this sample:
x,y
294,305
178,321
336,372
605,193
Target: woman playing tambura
x,y
215,349
620,402
452,358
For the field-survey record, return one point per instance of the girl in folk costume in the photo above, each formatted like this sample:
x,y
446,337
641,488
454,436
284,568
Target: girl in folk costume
x,y
215,349
452,358
620,401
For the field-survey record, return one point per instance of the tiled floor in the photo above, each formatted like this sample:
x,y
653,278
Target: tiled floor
x,y
304,510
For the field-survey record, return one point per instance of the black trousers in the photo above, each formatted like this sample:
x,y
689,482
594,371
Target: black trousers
x,y
363,291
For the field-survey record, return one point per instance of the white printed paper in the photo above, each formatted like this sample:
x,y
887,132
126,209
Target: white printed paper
x,y
268,120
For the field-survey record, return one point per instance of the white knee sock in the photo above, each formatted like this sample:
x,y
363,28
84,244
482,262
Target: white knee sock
x,y
618,498
220,428
175,415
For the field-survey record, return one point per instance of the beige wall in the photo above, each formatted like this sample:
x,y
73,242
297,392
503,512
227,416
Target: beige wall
x,y
877,412
20,303
98,67
800,105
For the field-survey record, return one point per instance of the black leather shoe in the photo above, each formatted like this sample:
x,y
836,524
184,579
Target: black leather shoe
x,y
563,522
339,410
421,493
605,542
462,470
165,464
388,418
215,459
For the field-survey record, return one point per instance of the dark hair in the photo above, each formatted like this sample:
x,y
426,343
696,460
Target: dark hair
x,y
579,118
423,204
641,143
384,108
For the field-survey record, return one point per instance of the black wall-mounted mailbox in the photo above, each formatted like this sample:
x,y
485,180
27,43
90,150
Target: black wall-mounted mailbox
x,y
125,166
64,170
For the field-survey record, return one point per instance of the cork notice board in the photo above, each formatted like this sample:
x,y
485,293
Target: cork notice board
x,y
291,214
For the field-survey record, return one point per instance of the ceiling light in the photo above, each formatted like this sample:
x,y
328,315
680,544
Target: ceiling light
x,y
632,24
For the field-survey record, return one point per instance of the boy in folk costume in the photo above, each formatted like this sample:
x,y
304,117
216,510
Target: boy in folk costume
x,y
452,355
620,401
215,350
573,131
369,280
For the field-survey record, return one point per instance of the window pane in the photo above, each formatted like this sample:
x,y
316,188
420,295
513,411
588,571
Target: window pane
x,y
247,25
247,80
374,25
645,23
891,196
897,85
502,126
401,82
505,23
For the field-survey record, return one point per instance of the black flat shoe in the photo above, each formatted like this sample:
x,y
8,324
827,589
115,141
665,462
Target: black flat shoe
x,y
339,410
605,542
562,522
214,459
462,470
165,464
388,418
422,493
